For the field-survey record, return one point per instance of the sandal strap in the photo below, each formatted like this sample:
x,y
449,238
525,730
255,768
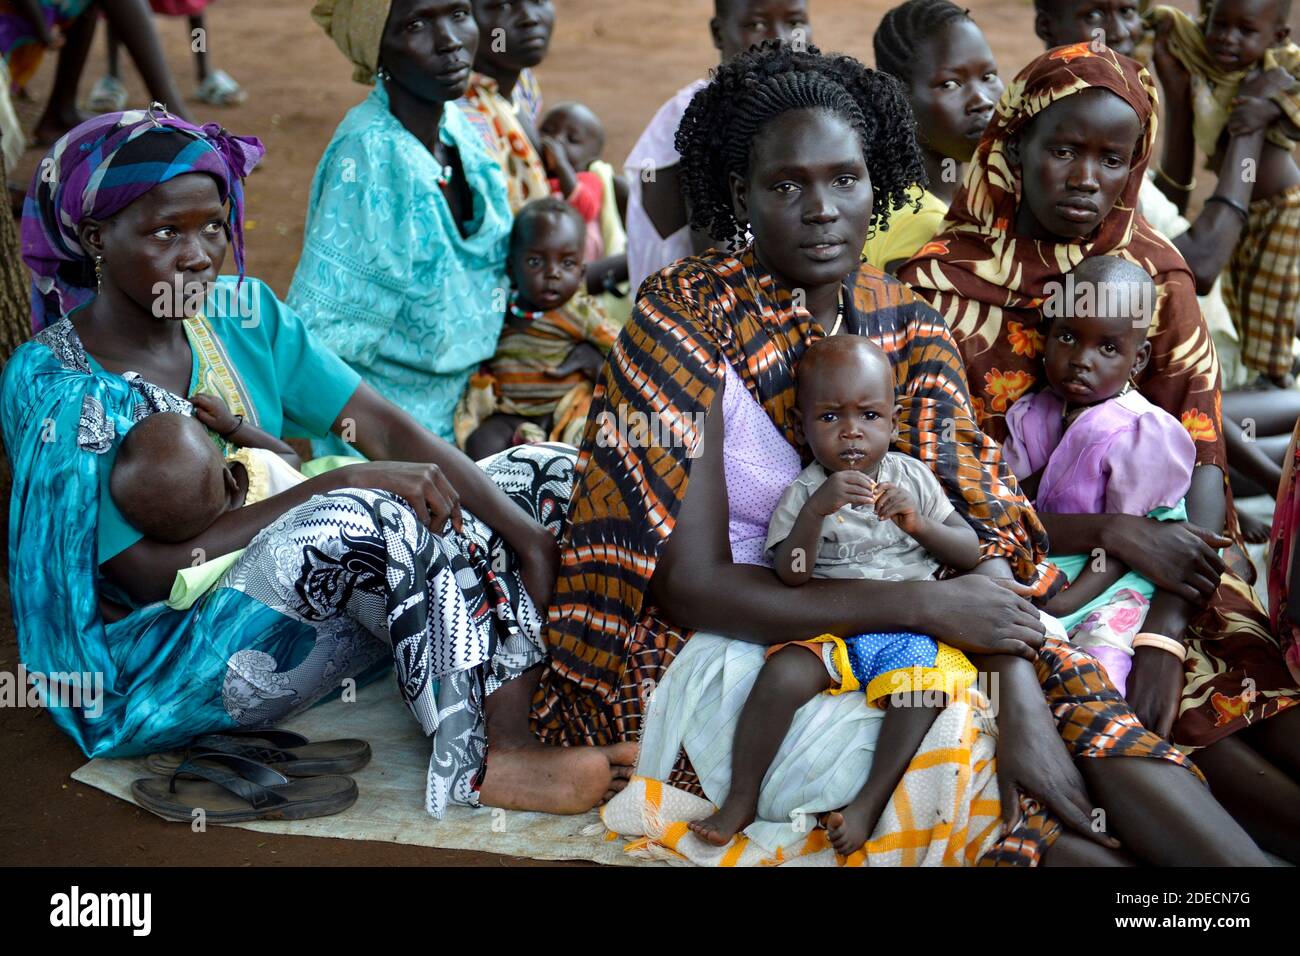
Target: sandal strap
x,y
276,738
246,779
239,748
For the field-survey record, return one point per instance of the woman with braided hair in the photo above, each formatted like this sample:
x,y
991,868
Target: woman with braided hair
x,y
936,51
690,443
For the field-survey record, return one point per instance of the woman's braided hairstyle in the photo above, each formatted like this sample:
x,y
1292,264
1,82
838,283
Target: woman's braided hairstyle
x,y
904,27
717,134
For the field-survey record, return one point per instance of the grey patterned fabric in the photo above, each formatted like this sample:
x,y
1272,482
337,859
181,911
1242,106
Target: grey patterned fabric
x,y
450,609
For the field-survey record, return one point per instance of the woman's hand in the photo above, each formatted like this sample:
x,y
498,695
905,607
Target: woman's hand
x,y
1032,759
1178,557
984,615
424,487
539,566
1169,69
1155,688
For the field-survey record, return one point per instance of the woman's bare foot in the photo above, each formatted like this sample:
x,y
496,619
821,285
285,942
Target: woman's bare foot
x,y
732,817
545,779
621,755
1253,530
620,777
849,828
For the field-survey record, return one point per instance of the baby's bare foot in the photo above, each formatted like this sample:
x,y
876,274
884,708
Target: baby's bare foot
x,y
849,828
730,819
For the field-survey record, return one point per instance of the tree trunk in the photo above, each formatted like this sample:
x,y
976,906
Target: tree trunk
x,y
15,288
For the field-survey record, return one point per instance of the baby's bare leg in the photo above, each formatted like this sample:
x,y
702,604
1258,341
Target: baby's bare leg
x,y
790,678
907,721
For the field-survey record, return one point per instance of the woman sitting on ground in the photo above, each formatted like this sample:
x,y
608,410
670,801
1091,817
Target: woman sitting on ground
x,y
1055,181
667,525
403,268
418,559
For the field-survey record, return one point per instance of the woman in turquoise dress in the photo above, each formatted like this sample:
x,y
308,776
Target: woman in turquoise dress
x,y
417,558
403,266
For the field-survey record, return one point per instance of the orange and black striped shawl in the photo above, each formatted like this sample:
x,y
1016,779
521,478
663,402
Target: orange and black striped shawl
x,y
607,644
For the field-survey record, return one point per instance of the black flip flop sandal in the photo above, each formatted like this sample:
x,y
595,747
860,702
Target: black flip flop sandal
x,y
232,789
282,750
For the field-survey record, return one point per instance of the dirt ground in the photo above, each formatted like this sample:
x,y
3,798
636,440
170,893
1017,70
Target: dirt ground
x,y
621,57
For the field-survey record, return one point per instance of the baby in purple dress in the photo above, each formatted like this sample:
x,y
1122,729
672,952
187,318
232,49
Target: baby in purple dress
x,y
1092,444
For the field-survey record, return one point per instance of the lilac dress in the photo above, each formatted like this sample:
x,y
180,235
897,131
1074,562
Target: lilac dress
x,y
1121,456
759,463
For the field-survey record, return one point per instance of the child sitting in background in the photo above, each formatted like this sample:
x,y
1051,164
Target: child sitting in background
x,y
572,140
1239,39
171,482
540,382
858,511
1092,444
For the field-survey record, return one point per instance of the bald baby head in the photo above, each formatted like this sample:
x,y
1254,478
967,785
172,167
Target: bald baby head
x,y
846,404
169,480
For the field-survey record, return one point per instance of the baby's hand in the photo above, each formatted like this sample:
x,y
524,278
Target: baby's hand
x,y
1265,83
840,489
213,414
554,158
583,357
1250,114
896,505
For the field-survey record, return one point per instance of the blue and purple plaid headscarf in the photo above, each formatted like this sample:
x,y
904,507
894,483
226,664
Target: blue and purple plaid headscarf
x,y
86,175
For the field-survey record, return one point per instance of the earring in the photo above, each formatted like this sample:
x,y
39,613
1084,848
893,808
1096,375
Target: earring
x,y
99,272
383,74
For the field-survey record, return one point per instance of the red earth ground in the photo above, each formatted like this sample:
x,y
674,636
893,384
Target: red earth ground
x,y
621,57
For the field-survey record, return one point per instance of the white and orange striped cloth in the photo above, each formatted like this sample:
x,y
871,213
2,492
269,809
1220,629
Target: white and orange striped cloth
x,y
945,811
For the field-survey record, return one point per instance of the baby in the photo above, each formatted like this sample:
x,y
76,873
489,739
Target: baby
x,y
171,482
861,511
1092,444
572,139
540,382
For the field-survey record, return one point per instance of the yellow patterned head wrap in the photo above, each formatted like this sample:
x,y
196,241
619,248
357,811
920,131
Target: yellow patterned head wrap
x,y
356,26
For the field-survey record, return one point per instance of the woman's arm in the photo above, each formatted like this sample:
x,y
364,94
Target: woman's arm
x,y
604,274
696,585
661,198
1155,684
383,432
147,569
1207,245
1178,557
1180,147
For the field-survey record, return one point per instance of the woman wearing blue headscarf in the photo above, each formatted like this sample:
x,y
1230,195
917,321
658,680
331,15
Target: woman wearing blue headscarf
x,y
417,558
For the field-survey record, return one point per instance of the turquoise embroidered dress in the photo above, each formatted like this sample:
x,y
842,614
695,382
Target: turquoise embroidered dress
x,y
386,278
